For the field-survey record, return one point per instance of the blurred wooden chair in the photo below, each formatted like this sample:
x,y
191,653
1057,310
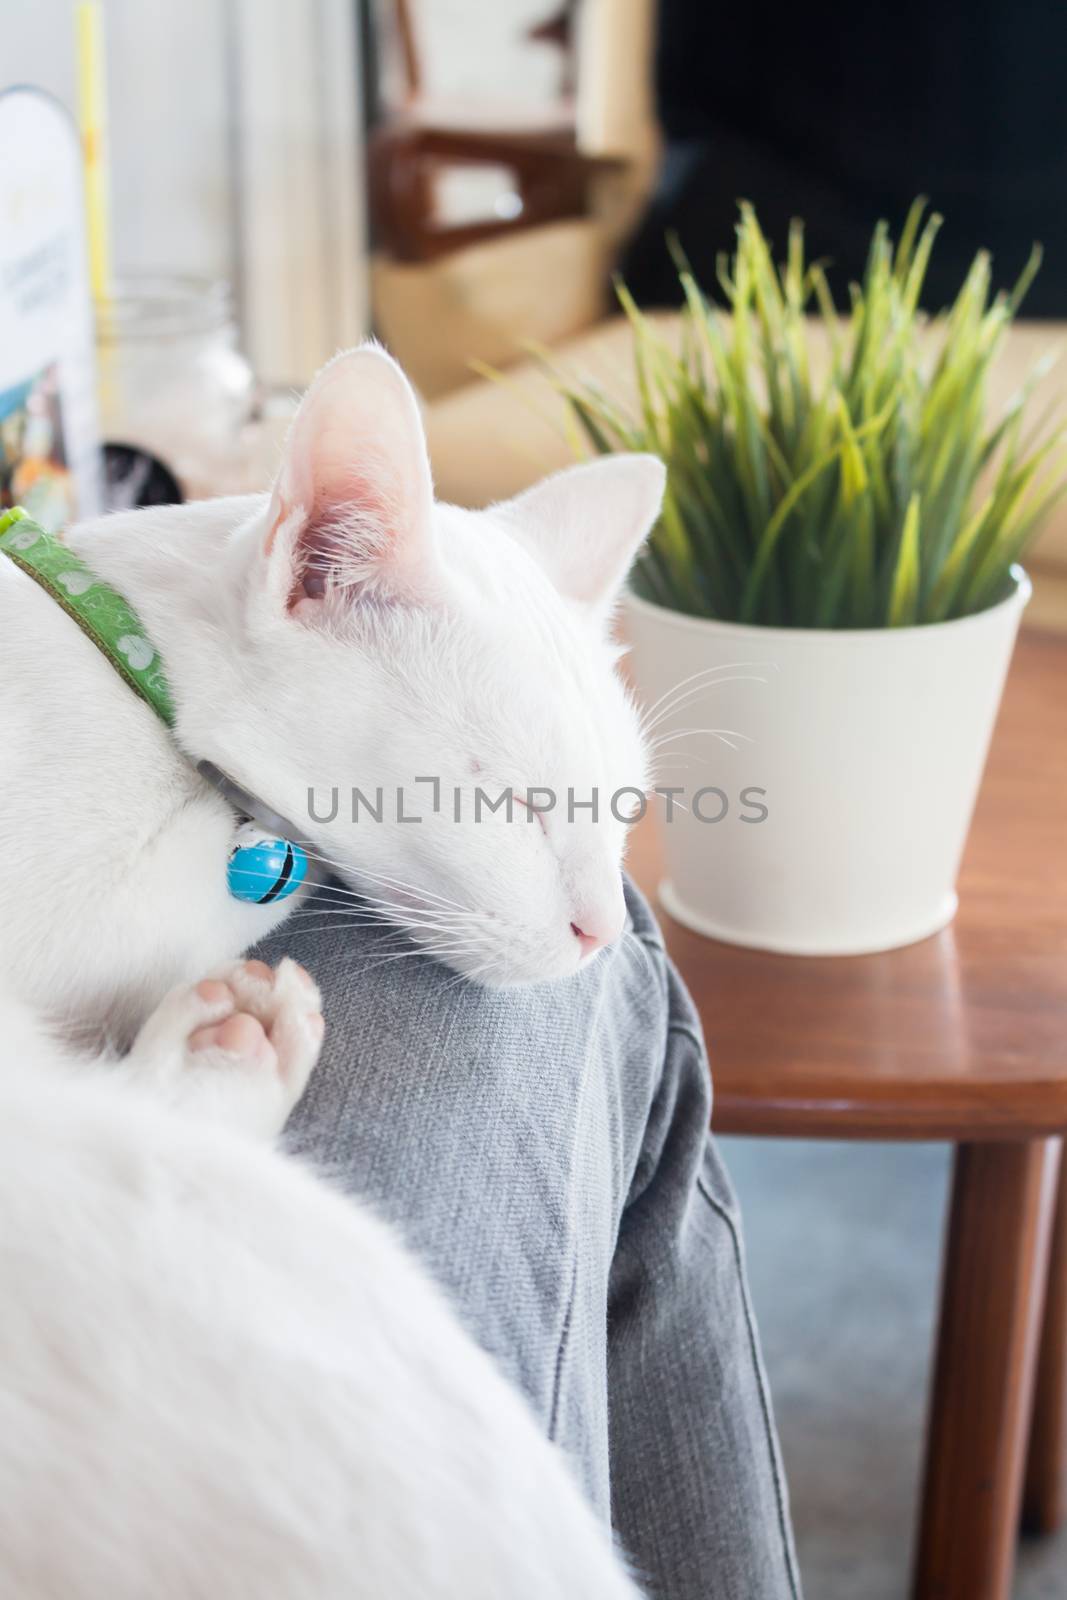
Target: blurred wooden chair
x,y
557,184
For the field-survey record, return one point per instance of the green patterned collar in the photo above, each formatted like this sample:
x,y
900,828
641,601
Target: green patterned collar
x,y
99,610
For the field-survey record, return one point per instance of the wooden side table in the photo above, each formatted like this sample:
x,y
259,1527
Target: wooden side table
x,y
962,1037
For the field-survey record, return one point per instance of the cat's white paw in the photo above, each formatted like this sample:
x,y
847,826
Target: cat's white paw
x,y
240,1045
284,1006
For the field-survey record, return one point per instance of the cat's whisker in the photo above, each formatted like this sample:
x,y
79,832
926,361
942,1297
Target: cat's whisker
x,y
338,895
398,909
669,800
411,949
340,920
357,906
705,677
724,735
400,955
445,938
681,764
373,919
428,894
434,906
354,903
482,970
650,724
374,911
701,673
703,684
370,918
332,886
388,881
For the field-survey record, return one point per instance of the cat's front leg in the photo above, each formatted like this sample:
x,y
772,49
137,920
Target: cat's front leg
x,y
237,1047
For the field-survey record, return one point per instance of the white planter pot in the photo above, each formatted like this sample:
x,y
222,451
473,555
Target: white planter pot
x,y
868,745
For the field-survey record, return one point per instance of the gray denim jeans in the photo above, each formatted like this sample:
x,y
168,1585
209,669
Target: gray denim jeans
x,y
546,1152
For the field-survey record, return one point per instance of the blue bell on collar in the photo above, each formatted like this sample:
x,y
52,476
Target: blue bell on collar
x,y
263,868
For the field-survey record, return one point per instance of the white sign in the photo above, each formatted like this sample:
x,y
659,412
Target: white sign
x,y
49,449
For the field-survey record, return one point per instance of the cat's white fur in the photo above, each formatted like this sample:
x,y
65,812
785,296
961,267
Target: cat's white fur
x,y
218,1378
466,646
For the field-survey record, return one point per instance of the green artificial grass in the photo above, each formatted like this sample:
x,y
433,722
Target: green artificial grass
x,y
869,489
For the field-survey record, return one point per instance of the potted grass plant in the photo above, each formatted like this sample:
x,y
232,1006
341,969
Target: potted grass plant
x,y
824,615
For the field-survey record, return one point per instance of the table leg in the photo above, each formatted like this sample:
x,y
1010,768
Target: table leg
x,y
992,1297
1045,1491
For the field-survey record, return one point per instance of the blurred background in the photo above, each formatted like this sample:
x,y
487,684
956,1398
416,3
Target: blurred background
x,y
269,181
464,178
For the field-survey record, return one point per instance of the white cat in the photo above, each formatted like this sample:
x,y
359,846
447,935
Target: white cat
x,y
347,632
217,1378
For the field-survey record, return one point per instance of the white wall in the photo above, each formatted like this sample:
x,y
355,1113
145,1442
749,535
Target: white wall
x,y
167,97
475,52
277,130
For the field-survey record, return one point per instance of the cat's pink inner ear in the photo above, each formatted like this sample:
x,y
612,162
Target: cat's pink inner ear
x,y
280,513
352,508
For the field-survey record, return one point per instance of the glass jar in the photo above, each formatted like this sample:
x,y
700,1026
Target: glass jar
x,y
173,382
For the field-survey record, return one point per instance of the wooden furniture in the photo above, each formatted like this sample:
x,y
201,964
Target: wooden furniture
x,y
497,216
962,1037
551,177
419,139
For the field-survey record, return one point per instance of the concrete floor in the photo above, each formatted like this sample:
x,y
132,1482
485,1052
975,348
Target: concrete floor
x,y
844,1247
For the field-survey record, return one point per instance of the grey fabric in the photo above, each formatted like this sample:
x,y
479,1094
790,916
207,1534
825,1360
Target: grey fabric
x,y
545,1151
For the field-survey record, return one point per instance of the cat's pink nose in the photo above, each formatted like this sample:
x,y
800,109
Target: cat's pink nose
x,y
594,935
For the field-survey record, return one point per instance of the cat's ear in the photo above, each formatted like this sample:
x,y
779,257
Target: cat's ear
x,y
352,509
586,524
